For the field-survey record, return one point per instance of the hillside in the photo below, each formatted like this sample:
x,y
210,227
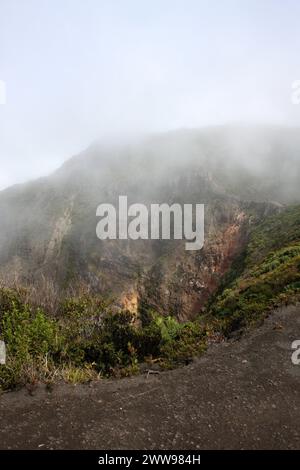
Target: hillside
x,y
174,303
267,275
47,232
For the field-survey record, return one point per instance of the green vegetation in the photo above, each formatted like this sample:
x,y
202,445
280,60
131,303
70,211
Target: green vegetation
x,y
275,232
84,338
87,340
31,339
270,275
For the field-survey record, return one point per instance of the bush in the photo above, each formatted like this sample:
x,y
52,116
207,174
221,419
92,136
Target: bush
x,y
31,340
87,340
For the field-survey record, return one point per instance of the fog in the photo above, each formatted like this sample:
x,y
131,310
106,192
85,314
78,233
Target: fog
x,y
78,71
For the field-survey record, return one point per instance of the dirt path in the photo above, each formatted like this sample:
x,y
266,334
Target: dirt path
x,y
239,395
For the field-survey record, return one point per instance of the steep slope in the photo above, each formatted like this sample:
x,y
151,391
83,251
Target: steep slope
x,y
269,273
48,227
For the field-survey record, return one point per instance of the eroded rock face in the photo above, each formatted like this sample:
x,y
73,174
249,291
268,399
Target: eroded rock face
x,y
181,283
48,227
60,232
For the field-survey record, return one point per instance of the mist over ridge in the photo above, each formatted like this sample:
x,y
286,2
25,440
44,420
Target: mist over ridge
x,y
240,173
73,73
149,230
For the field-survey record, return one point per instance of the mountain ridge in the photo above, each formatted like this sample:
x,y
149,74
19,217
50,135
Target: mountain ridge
x,y
240,174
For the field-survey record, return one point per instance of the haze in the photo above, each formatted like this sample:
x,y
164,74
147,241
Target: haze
x,y
77,71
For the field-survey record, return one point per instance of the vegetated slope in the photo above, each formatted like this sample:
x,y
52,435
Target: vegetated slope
x,y
268,274
86,339
48,227
239,395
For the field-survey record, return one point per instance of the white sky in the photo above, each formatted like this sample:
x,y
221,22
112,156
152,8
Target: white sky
x,y
77,70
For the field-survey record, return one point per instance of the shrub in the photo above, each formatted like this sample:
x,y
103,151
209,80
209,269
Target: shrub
x,y
31,340
87,340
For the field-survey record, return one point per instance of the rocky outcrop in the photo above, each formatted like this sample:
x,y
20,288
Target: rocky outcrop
x,y
48,227
181,283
